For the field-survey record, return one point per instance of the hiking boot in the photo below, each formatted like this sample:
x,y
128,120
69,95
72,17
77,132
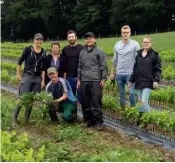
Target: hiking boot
x,y
90,124
99,126
14,123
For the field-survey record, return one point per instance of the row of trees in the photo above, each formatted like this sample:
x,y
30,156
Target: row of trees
x,y
21,19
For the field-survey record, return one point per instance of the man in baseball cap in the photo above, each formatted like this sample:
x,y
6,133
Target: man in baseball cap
x,y
89,34
92,74
62,95
38,36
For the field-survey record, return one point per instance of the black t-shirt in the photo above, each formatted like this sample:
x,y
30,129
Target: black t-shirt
x,y
71,55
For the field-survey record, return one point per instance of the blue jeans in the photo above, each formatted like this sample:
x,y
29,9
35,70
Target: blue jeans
x,y
73,83
122,80
143,97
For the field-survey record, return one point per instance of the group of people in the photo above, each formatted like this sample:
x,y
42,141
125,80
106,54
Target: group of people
x,y
78,74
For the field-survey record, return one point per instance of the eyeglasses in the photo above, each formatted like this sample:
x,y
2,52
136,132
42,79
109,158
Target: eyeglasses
x,y
125,32
146,42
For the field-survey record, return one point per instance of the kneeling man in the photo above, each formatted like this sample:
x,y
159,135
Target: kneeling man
x,y
63,97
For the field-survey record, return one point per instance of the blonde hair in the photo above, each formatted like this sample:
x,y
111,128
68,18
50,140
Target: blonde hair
x,y
126,27
149,38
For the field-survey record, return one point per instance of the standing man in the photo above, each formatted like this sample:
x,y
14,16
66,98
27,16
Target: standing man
x,y
71,53
33,76
92,74
125,52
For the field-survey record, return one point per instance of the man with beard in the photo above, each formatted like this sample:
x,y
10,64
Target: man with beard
x,y
71,53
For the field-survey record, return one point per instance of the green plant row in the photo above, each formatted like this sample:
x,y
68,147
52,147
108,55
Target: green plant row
x,y
164,120
168,73
15,148
164,94
10,66
7,79
11,54
20,46
167,55
9,50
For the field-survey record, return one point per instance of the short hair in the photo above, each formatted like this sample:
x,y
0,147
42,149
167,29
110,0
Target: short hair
x,y
71,31
126,27
149,38
55,43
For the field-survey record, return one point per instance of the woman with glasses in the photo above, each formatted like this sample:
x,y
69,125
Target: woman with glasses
x,y
146,74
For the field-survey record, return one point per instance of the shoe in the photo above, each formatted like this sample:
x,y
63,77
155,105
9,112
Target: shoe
x,y
55,123
90,124
14,123
99,126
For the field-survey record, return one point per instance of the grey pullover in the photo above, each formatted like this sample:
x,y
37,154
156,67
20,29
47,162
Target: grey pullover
x,y
124,56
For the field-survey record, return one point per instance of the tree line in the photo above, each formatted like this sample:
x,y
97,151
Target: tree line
x,y
21,19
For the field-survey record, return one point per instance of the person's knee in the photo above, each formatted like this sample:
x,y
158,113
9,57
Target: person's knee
x,y
67,117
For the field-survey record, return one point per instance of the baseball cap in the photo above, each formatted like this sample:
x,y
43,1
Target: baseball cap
x,y
38,36
51,70
89,34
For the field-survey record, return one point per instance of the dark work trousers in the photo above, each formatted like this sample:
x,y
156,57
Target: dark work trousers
x,y
67,108
91,93
29,83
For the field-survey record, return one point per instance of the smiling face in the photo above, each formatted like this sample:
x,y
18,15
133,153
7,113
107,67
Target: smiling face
x,y
38,42
147,43
55,49
90,41
72,38
53,77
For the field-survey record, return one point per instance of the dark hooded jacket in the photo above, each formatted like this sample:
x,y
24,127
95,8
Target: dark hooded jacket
x,y
146,69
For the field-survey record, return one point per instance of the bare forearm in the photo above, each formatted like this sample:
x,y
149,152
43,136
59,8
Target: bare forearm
x,y
65,75
43,76
63,98
18,70
113,70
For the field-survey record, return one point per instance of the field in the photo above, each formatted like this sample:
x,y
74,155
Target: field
x,y
42,141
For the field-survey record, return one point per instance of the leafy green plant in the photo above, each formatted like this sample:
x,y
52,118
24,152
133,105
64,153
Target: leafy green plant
x,y
164,120
110,102
130,115
16,148
167,55
10,66
5,76
43,100
6,114
26,100
8,79
169,73
164,94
